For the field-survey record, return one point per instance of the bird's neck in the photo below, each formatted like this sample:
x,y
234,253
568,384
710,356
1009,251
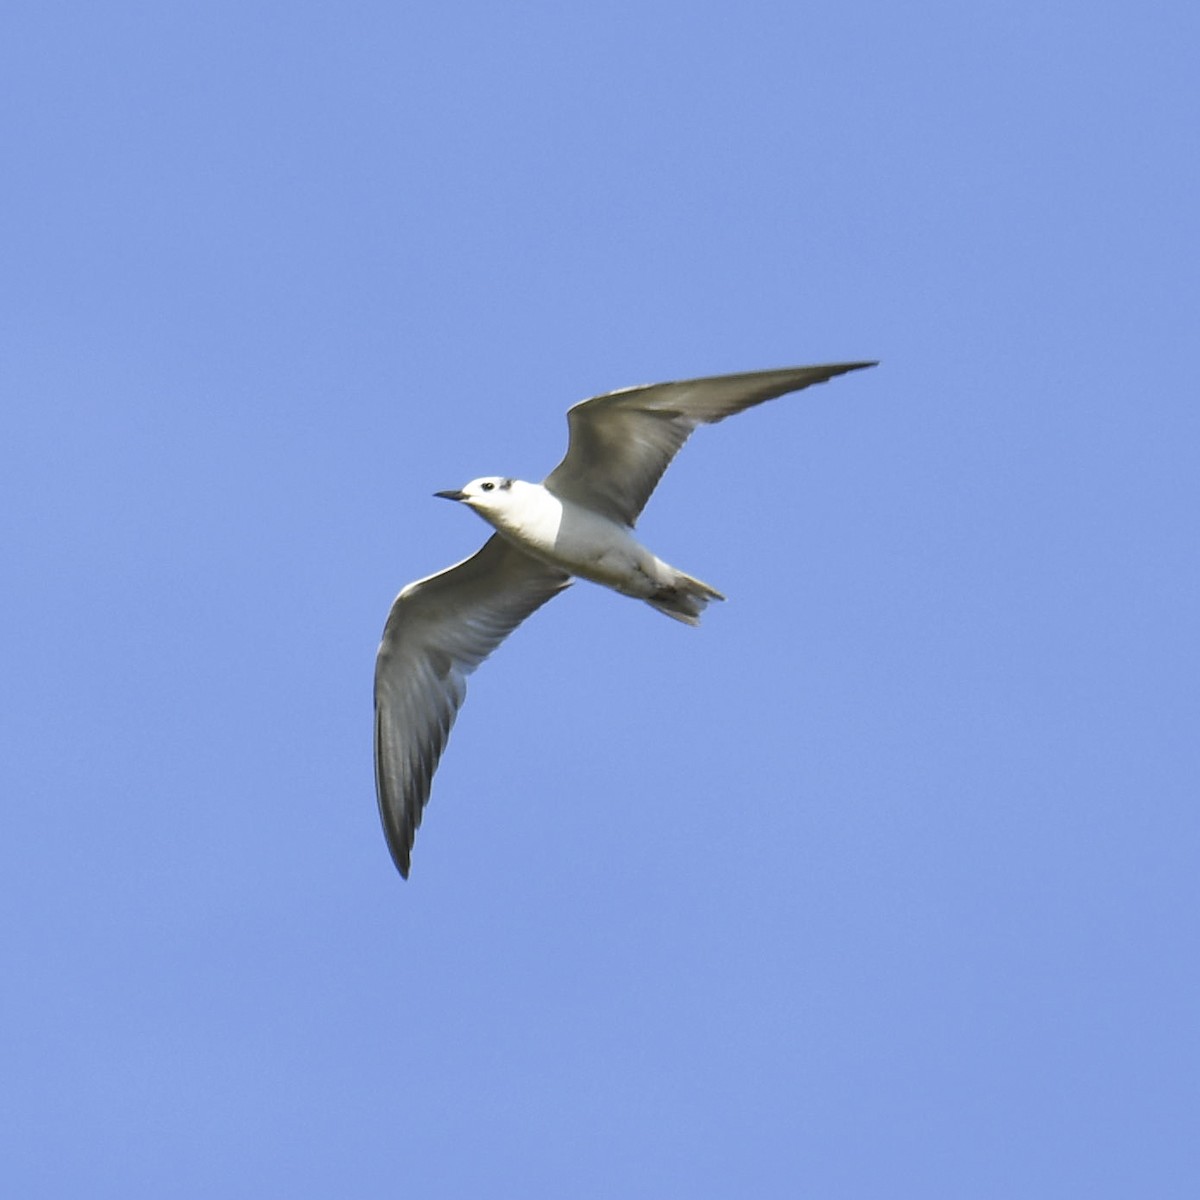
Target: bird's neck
x,y
534,521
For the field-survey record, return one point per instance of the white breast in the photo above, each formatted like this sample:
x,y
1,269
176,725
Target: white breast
x,y
579,540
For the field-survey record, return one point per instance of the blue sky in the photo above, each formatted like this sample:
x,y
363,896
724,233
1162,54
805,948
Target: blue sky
x,y
881,883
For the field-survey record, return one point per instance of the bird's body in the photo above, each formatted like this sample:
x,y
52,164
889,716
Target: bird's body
x,y
580,541
576,524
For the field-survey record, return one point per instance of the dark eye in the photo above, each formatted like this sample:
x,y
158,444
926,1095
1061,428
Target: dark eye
x,y
487,487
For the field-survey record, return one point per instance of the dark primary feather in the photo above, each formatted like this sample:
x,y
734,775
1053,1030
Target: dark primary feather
x,y
423,662
622,442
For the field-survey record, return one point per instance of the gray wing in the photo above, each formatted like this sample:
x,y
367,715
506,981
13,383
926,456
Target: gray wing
x,y
622,442
439,630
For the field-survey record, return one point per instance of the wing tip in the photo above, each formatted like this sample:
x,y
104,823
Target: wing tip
x,y
401,856
834,370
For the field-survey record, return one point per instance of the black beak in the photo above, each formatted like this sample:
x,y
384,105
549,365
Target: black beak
x,y
451,495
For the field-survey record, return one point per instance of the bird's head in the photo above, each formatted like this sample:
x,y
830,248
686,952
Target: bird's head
x,y
490,494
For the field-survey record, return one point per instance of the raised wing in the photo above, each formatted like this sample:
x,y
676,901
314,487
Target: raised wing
x,y
622,442
439,630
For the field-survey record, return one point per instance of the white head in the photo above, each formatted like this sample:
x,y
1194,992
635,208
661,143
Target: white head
x,y
489,495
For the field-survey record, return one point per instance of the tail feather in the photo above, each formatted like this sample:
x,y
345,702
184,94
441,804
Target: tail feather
x,y
684,598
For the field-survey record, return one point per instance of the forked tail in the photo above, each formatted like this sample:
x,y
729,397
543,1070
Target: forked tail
x,y
684,598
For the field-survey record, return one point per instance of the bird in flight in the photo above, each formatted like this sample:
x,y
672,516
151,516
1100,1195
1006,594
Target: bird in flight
x,y
578,522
